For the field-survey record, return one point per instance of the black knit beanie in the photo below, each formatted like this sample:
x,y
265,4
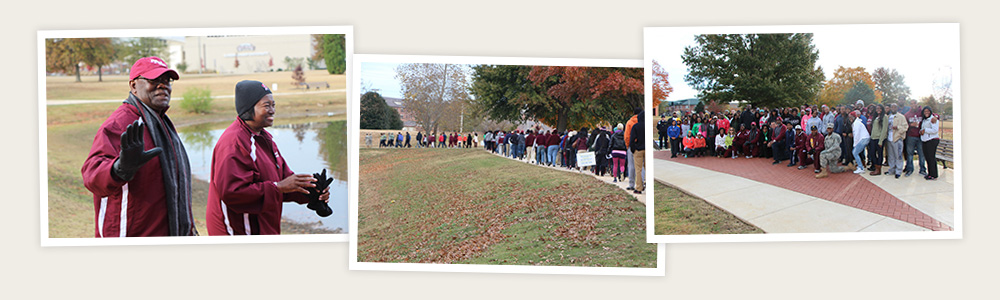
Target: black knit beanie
x,y
248,92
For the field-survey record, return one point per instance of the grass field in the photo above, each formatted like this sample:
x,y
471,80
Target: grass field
x,y
679,213
70,132
466,206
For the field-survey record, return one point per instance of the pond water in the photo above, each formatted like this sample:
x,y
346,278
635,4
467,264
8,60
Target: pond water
x,y
307,148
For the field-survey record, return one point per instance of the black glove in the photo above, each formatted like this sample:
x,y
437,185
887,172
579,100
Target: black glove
x,y
322,208
131,156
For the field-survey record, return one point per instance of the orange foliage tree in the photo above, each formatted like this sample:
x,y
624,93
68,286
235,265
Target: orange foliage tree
x,y
843,80
559,96
661,85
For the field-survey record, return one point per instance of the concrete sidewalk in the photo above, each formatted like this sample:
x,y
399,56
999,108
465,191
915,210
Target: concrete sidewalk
x,y
606,179
771,208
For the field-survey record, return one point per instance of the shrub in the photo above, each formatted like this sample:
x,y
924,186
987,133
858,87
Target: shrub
x,y
197,100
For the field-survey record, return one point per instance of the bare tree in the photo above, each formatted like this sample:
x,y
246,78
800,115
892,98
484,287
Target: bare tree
x,y
433,93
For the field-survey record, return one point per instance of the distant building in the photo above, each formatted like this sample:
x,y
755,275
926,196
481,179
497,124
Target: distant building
x,y
682,105
256,53
409,122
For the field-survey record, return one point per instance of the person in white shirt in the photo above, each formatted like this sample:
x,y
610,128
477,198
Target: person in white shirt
x,y
929,136
861,137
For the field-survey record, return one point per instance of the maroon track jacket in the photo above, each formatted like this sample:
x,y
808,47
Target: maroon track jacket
x,y
123,209
243,195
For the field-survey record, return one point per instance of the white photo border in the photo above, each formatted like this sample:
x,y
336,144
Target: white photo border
x,y
651,33
355,132
46,241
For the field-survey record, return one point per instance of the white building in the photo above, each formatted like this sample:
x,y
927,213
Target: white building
x,y
255,53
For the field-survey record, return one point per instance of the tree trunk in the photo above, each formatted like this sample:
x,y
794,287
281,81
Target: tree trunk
x,y
78,73
100,77
563,119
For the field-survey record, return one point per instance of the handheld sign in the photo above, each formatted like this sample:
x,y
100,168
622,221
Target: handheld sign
x,y
585,159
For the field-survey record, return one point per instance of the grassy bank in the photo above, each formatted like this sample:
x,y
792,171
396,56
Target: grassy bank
x,y
467,206
679,213
70,132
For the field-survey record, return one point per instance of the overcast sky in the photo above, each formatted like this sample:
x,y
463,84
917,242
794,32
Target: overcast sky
x,y
920,52
382,77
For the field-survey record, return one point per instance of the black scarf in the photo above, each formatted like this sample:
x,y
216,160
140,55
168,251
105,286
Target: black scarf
x,y
175,167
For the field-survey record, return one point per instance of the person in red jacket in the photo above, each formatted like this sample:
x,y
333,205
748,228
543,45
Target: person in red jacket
x,y
799,147
815,145
138,170
250,179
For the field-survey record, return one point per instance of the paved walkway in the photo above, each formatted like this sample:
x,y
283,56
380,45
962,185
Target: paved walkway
x,y
606,179
795,201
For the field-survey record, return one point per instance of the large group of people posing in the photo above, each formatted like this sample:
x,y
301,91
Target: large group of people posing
x,y
827,140
619,152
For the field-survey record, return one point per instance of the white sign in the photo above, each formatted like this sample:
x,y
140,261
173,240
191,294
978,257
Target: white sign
x,y
585,159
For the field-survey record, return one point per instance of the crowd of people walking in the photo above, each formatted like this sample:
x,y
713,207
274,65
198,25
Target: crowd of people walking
x,y
827,140
425,140
618,151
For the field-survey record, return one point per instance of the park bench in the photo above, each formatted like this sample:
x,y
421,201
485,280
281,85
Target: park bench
x,y
945,152
316,85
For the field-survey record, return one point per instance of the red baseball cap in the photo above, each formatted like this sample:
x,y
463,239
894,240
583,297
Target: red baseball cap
x,y
151,68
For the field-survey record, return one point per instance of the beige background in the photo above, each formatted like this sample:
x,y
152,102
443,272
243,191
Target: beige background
x,y
598,29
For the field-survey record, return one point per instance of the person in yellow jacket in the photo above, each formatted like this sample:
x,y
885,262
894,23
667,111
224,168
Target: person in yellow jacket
x,y
894,143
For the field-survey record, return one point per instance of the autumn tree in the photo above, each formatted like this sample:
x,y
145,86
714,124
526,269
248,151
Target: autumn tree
x,y
891,84
98,53
661,84
298,75
762,69
64,55
562,97
845,79
67,54
433,92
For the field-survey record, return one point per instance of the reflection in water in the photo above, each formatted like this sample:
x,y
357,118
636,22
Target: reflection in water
x,y
300,131
307,148
198,138
333,141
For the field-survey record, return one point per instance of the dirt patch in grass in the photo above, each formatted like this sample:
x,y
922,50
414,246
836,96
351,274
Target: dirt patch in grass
x,y
678,213
467,206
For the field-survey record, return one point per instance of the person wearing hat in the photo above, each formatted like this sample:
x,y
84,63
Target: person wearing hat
x,y
250,179
799,154
815,143
830,155
138,169
661,129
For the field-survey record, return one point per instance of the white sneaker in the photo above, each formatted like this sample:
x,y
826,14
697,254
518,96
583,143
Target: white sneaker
x,y
859,171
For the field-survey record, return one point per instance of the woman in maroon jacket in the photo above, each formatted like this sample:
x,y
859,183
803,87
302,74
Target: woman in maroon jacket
x,y
250,179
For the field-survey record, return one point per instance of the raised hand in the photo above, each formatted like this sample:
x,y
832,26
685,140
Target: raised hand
x,y
132,156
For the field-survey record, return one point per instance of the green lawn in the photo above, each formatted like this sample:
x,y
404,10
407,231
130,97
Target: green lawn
x,y
678,213
469,207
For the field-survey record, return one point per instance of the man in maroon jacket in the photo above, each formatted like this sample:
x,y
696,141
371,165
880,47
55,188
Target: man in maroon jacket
x,y
138,169
801,143
541,147
815,145
250,179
